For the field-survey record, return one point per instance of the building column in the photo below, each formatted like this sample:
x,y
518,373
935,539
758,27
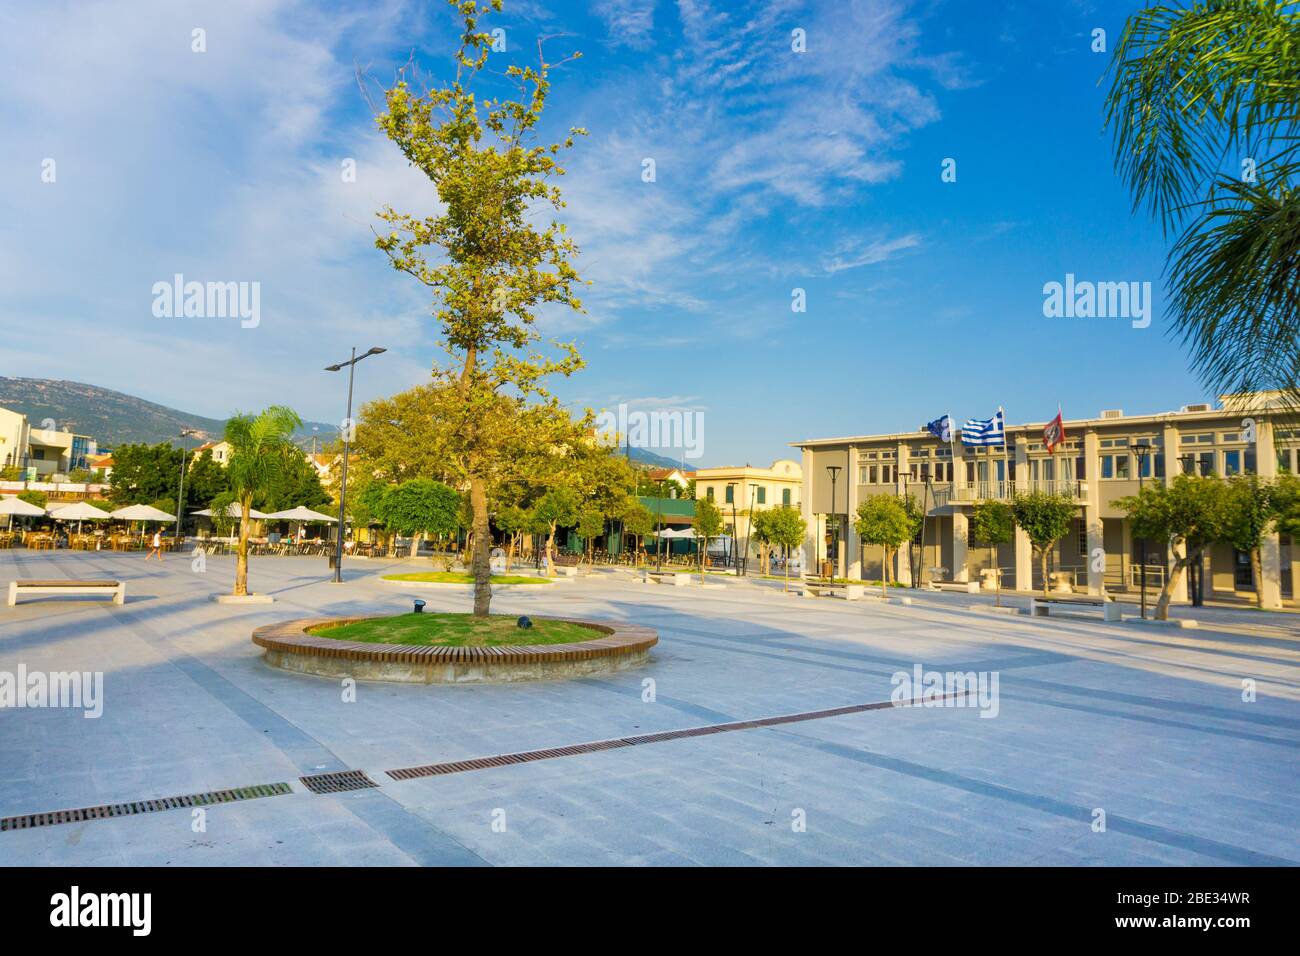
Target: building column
x,y
1270,551
1173,467
1096,536
854,541
806,507
1024,550
902,566
960,536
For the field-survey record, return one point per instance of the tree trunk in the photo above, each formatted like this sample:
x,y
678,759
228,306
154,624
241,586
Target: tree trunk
x,y
241,559
1042,567
415,543
884,572
1171,582
1257,573
550,551
482,570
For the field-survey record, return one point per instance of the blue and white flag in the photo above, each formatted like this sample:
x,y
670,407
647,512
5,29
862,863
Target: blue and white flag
x,y
984,431
941,428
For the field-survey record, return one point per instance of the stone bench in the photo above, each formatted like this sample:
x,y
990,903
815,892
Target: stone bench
x,y
964,587
679,579
116,588
1110,610
850,592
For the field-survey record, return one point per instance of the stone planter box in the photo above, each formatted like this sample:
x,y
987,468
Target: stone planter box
x,y
614,646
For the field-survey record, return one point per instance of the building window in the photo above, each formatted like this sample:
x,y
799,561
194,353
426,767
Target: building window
x,y
1083,539
1232,462
785,497
708,492
731,494
762,495
862,474
1284,460
1115,466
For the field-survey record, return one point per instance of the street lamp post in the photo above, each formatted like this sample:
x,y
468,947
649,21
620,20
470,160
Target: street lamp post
x,y
180,495
835,472
735,528
1143,450
347,439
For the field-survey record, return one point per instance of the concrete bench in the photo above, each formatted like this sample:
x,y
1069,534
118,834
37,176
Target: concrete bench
x,y
116,588
679,579
1110,610
964,587
813,587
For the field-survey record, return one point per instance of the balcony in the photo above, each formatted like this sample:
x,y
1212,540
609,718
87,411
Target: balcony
x,y
970,492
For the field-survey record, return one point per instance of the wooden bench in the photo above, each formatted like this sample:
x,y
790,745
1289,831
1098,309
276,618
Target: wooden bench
x,y
1110,610
116,588
813,586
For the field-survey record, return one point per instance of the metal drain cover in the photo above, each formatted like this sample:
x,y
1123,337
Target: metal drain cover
x,y
104,811
337,782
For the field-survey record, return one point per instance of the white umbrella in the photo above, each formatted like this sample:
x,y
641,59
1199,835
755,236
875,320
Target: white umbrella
x,y
79,512
234,511
16,506
141,513
301,514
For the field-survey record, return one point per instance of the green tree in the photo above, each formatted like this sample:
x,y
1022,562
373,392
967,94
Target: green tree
x,y
144,473
1286,500
487,262
421,507
1250,514
786,528
261,451
33,497
885,521
298,485
1188,516
707,523
512,521
638,522
1045,519
591,524
204,480
1193,91
558,508
760,528
222,522
994,523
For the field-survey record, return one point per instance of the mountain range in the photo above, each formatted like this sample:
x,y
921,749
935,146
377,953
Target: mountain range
x,y
115,418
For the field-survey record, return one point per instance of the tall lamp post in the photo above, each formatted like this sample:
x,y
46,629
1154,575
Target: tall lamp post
x,y
180,495
1143,450
735,528
834,472
351,365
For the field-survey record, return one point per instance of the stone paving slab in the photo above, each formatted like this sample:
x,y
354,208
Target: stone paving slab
x,y
1146,723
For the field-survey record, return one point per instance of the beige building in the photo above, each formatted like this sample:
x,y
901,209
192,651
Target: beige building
x,y
1102,459
41,452
740,490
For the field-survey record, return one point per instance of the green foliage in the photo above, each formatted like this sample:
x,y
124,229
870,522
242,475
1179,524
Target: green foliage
x,y
1250,510
80,475
637,520
1194,90
1192,511
222,523
708,520
591,524
33,497
298,484
784,526
144,473
262,452
11,473
421,506
1286,501
993,522
558,508
884,520
1045,518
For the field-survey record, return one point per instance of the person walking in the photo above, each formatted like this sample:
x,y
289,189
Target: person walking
x,y
155,546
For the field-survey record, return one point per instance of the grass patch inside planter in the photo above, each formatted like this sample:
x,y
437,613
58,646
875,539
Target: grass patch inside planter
x,y
457,630
459,577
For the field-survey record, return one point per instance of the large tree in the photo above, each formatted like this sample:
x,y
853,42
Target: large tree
x,y
482,254
1045,519
884,520
144,473
1250,515
420,507
262,450
993,523
1203,105
786,528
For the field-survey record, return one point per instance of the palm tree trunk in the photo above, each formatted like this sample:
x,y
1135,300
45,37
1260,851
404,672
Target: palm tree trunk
x,y
241,559
482,570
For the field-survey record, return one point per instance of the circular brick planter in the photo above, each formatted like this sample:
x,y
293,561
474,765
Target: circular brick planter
x,y
614,646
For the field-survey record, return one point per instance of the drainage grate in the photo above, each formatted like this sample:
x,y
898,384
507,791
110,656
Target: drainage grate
x,y
103,812
528,756
337,781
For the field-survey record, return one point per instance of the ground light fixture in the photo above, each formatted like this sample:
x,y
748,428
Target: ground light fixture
x,y
351,365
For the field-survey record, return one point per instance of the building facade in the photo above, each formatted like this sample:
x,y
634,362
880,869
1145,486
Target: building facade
x,y
738,491
1101,460
41,452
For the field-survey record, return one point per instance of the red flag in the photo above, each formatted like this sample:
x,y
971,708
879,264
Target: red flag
x,y
1054,433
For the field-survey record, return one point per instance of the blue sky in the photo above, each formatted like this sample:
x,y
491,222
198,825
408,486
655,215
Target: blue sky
x,y
774,171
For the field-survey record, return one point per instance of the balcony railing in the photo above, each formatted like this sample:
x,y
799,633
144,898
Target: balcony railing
x,y
969,492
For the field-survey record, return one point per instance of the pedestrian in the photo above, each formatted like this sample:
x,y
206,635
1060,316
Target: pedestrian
x,y
156,546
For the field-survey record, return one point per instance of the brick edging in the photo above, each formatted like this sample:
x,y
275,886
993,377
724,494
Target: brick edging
x,y
292,637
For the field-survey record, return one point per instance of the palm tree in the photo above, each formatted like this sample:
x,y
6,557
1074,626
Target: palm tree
x,y
261,451
1205,108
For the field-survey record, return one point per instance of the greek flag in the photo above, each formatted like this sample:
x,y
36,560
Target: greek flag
x,y
941,428
984,431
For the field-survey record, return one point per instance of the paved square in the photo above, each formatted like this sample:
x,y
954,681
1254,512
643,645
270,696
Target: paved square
x,y
1144,723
